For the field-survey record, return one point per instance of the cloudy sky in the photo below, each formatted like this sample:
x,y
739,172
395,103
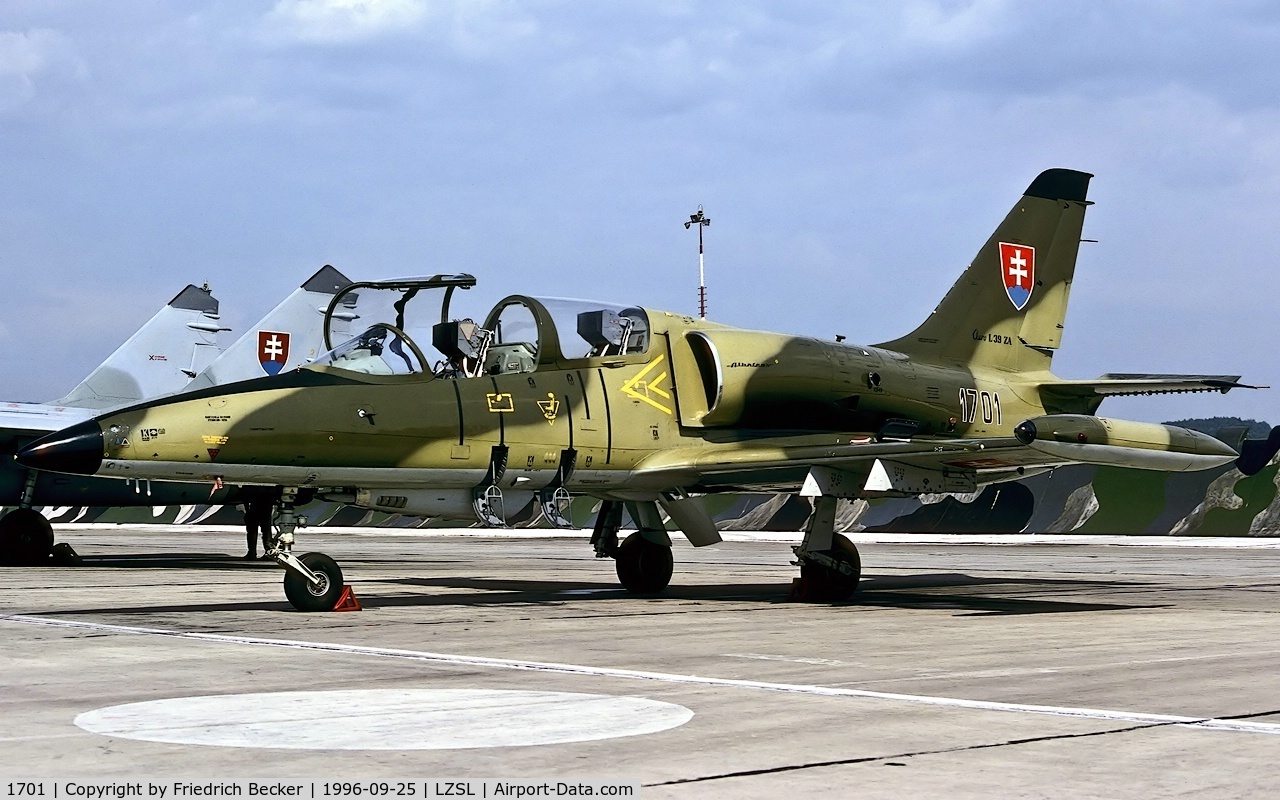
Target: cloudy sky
x,y
852,156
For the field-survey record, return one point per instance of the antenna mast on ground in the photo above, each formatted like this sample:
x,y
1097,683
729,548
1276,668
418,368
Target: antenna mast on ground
x,y
702,221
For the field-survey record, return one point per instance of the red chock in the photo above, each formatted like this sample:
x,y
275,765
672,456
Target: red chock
x,y
347,600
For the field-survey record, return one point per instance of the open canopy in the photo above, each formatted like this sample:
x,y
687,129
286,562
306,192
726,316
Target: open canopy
x,y
411,328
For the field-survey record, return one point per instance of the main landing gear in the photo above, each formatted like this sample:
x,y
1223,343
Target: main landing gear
x,y
26,537
830,567
643,559
312,582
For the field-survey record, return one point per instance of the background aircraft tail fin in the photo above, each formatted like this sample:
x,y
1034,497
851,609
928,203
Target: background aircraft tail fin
x,y
1007,308
159,359
290,335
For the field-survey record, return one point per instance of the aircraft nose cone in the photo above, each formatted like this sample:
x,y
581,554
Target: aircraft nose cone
x,y
77,450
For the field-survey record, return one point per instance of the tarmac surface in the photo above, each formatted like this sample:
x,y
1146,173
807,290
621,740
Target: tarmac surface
x,y
1032,668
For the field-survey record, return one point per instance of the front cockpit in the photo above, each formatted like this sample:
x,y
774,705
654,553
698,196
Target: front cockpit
x,y
519,334
380,350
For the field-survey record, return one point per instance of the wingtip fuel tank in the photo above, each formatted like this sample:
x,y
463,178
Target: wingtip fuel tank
x,y
1123,443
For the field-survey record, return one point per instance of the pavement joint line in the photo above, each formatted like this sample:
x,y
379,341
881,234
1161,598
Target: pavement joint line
x,y
1142,718
844,762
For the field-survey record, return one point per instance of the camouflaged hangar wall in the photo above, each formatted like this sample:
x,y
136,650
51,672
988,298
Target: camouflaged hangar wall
x,y
1075,499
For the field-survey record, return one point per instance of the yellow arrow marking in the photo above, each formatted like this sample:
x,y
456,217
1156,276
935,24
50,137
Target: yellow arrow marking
x,y
646,388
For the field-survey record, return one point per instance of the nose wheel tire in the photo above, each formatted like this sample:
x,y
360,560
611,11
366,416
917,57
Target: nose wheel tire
x,y
644,567
26,537
308,596
833,585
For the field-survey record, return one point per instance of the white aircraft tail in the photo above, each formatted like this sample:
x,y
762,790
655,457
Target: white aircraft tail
x,y
291,335
160,358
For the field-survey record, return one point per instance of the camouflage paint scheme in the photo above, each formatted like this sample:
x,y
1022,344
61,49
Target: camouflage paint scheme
x,y
637,408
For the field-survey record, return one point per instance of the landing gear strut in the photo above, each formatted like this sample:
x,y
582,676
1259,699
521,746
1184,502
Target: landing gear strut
x,y
644,561
312,582
830,567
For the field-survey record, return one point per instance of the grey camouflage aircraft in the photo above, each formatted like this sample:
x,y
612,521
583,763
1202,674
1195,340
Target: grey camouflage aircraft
x,y
160,357
648,410
154,363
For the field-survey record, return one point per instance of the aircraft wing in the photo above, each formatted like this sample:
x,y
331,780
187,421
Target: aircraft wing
x,y
27,419
932,463
783,463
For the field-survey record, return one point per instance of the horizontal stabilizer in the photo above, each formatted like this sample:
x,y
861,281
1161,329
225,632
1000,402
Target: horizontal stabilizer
x,y
1083,397
1134,383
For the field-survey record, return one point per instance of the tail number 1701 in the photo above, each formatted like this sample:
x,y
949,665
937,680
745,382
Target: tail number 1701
x,y
971,401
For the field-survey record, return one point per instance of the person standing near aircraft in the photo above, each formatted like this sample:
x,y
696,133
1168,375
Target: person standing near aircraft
x,y
258,509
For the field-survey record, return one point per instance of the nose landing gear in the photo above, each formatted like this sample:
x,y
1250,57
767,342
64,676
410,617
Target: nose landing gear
x,y
312,582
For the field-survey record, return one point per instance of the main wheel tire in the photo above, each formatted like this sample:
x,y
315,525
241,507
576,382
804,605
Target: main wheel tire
x,y
308,597
26,537
644,567
825,584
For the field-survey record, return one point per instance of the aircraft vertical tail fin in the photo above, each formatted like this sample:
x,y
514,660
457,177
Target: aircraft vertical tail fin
x,y
159,359
1007,308
290,335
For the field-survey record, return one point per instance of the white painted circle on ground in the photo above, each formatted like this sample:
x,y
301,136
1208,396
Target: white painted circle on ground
x,y
386,719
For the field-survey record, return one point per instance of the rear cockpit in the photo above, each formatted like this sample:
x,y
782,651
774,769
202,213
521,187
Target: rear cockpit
x,y
520,334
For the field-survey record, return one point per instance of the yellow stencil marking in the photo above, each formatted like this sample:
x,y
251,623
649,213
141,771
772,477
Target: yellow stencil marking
x,y
550,407
500,403
215,439
641,389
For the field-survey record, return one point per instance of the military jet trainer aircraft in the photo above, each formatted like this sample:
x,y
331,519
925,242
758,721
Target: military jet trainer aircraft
x,y
647,410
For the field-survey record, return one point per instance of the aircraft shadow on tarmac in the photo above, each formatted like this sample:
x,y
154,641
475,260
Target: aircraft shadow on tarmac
x,y
169,561
875,591
980,596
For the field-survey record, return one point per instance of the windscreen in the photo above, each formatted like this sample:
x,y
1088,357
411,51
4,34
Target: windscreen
x,y
380,350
